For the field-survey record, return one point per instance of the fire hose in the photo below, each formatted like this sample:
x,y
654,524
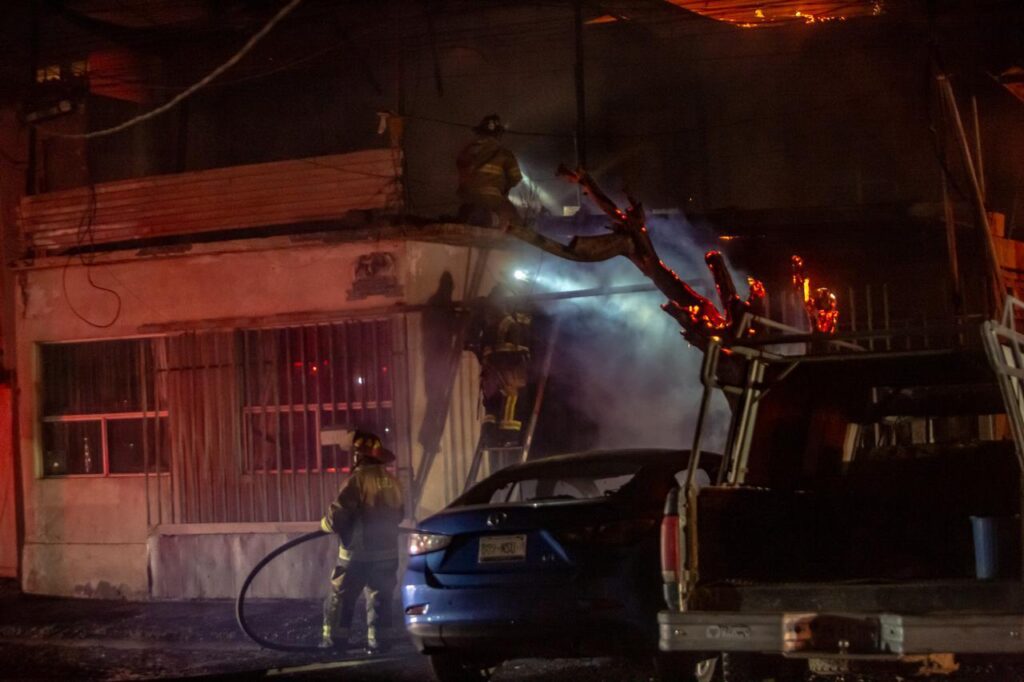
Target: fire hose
x,y
240,600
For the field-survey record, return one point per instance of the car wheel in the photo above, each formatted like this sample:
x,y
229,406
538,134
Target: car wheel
x,y
677,667
456,668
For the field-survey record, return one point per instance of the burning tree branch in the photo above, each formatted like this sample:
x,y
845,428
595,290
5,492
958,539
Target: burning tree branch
x,y
820,304
699,318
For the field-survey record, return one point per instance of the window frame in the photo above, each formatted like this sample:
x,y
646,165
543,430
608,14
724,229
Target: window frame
x,y
102,417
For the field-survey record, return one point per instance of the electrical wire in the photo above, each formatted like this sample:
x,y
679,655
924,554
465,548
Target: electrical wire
x,y
234,59
86,232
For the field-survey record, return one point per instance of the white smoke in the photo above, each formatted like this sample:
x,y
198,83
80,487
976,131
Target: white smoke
x,y
635,376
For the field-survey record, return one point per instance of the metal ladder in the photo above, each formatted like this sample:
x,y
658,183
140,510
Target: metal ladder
x,y
1004,345
521,452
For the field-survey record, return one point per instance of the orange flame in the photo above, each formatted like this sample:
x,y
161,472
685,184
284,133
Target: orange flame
x,y
820,304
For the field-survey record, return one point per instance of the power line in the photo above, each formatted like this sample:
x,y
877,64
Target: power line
x,y
282,13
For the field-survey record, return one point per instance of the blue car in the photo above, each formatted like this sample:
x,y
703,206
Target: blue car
x,y
555,557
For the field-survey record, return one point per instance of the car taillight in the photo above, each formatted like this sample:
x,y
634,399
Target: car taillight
x,y
424,543
670,548
617,533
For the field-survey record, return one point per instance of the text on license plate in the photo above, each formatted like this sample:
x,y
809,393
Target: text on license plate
x,y
502,548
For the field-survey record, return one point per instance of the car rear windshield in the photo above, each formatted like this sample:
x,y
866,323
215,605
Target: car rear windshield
x,y
582,481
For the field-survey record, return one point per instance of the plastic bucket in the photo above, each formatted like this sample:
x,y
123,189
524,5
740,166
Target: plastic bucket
x,y
985,531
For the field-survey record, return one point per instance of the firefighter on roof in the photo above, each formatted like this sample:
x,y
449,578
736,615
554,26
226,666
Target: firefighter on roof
x,y
487,172
365,518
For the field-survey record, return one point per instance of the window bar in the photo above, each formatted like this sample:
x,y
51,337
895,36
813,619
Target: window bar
x,y
303,389
260,350
174,455
201,347
293,463
373,370
198,452
178,445
275,335
358,352
318,416
331,331
233,415
105,455
145,431
248,449
229,437
222,418
157,432
346,377
265,389
402,327
195,458
220,397
206,398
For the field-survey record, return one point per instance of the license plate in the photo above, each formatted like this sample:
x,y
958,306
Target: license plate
x,y
502,548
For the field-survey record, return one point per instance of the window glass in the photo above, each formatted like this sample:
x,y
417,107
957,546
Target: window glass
x,y
94,377
556,487
125,445
72,448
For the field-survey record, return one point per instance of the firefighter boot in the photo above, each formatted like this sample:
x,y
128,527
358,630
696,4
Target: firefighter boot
x,y
376,644
335,639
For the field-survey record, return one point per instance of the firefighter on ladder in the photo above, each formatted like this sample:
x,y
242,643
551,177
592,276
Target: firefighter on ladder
x,y
365,517
487,172
501,339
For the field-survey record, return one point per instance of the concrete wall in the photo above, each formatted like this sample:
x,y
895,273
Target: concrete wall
x,y
89,536
8,502
211,561
427,264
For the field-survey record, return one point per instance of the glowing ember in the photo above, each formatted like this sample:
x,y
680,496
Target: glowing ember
x,y
753,14
820,304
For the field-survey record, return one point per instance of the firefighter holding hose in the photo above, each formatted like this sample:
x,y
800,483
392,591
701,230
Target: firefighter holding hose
x,y
365,517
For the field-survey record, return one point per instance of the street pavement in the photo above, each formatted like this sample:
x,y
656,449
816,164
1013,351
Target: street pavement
x,y
75,639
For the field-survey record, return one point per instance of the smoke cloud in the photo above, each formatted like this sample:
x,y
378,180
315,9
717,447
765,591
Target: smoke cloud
x,y
620,361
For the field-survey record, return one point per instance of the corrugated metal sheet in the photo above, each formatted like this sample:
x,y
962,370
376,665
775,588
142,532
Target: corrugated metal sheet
x,y
278,193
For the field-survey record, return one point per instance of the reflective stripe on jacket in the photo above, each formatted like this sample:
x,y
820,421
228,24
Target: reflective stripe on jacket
x,y
366,515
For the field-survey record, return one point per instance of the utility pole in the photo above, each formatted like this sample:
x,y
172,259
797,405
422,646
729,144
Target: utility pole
x,y
581,102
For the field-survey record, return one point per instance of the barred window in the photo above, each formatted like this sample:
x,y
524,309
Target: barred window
x,y
302,381
99,410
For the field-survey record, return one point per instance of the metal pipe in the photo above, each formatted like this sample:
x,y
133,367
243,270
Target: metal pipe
x,y
979,160
581,100
870,314
885,315
708,366
549,354
852,308
977,192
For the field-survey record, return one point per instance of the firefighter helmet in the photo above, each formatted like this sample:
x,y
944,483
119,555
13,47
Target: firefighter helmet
x,y
490,125
365,446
